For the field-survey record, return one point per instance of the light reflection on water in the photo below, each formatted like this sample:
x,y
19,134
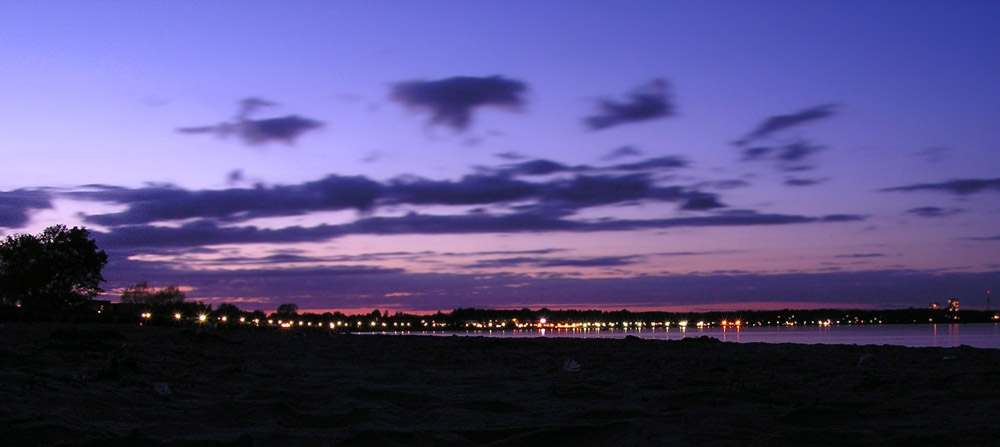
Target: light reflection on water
x,y
986,335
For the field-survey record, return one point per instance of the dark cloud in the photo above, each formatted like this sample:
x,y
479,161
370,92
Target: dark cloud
x,y
372,157
796,181
492,186
235,176
451,101
988,238
781,122
16,205
933,211
542,262
510,155
798,151
206,232
756,153
791,157
546,167
470,190
696,253
508,204
934,154
960,187
537,167
647,102
259,131
164,203
621,152
706,202
723,184
666,162
602,189
860,256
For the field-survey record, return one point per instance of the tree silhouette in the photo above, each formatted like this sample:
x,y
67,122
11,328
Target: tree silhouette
x,y
141,293
57,269
288,310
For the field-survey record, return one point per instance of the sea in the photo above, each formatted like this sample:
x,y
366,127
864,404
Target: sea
x,y
983,335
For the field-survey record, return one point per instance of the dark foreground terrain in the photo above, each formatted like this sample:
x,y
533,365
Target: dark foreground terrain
x,y
121,385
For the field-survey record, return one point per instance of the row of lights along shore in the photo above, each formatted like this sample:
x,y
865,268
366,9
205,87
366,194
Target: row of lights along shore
x,y
514,324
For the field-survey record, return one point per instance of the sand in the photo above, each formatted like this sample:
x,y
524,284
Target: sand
x,y
118,385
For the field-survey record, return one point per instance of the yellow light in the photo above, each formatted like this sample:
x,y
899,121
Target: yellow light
x,y
243,319
177,316
202,317
224,318
682,323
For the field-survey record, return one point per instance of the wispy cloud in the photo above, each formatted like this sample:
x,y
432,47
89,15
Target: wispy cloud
x,y
959,187
647,102
799,181
934,154
778,123
600,261
792,157
933,211
284,129
621,152
860,256
987,238
451,101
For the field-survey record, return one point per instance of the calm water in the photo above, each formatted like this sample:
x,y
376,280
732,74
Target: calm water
x,y
985,335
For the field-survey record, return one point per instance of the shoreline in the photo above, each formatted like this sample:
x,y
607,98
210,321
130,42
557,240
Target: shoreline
x,y
97,384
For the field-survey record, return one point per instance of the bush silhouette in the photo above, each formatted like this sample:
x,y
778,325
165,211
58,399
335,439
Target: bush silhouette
x,y
55,270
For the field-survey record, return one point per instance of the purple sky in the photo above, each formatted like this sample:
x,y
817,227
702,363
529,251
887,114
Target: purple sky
x,y
424,156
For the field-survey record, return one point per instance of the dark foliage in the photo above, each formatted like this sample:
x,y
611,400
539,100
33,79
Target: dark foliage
x,y
57,269
141,293
288,309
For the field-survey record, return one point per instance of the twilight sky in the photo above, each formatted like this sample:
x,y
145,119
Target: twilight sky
x,y
423,156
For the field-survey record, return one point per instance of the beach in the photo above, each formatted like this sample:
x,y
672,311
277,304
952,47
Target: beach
x,y
125,385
